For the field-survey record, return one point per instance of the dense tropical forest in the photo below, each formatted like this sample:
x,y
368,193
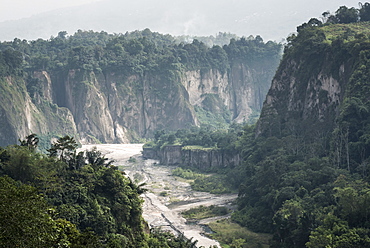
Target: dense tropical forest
x,y
136,52
304,176
69,199
306,179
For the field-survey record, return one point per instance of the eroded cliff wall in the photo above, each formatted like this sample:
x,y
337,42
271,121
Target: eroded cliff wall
x,y
308,90
197,158
21,115
113,108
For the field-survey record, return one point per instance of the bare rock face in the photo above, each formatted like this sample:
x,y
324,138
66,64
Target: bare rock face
x,y
117,108
242,89
196,158
113,108
20,115
299,105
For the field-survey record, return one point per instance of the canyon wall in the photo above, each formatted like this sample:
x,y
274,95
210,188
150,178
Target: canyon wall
x,y
113,108
203,159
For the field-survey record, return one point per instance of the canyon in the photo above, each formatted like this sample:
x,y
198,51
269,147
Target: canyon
x,y
161,211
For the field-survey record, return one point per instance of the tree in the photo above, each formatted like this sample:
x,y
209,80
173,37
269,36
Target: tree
x,y
335,232
11,60
364,12
24,218
64,147
96,159
314,22
62,34
346,15
325,16
23,164
31,141
171,138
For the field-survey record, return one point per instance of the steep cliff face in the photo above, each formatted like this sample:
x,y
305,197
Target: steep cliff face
x,y
197,158
309,88
311,103
123,88
116,109
113,108
241,90
21,115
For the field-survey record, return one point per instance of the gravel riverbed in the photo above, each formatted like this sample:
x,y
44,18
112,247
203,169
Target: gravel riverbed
x,y
167,196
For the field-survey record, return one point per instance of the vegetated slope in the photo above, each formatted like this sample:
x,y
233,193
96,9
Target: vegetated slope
x,y
306,167
121,88
70,199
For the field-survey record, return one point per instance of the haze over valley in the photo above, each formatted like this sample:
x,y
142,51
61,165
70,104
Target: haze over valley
x,y
272,20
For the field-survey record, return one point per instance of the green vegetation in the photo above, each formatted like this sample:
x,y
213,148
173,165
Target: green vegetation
x,y
186,173
305,175
132,53
10,62
163,193
26,220
70,199
213,112
132,160
232,235
203,212
157,62
215,184
203,138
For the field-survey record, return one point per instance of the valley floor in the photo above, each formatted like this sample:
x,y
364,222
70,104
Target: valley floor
x,y
167,196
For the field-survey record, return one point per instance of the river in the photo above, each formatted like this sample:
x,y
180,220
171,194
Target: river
x,y
167,196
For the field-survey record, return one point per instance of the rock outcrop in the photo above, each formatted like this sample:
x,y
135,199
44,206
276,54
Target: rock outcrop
x,y
21,115
113,108
203,159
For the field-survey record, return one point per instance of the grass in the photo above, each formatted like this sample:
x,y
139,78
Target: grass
x,y
230,233
132,160
214,184
332,31
203,212
187,174
163,193
202,148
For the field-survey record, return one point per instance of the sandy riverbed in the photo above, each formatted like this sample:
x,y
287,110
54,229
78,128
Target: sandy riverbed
x,y
166,196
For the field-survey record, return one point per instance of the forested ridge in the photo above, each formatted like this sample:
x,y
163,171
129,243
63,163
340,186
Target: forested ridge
x,y
130,53
69,199
305,171
143,80
306,164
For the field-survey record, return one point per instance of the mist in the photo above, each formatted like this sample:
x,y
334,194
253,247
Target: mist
x,y
272,19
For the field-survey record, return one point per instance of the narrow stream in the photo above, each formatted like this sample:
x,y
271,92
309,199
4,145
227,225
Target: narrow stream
x,y
167,197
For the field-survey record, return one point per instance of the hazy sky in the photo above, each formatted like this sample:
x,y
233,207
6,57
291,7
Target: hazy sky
x,y
17,9
272,19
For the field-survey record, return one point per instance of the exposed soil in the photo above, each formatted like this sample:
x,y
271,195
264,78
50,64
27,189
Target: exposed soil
x,y
167,196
